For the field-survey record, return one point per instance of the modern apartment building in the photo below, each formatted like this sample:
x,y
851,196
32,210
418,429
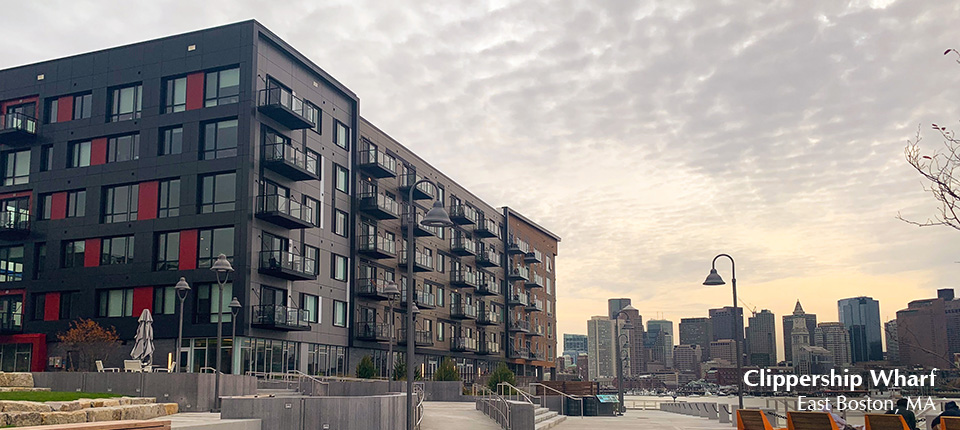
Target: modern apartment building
x,y
128,168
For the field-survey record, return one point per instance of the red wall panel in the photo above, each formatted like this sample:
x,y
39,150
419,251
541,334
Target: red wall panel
x,y
58,209
64,109
195,91
188,249
38,343
142,299
51,308
12,102
91,253
147,200
98,151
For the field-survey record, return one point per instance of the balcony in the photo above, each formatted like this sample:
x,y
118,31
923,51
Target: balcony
x,y
377,164
462,246
517,299
489,348
419,230
535,281
18,129
534,305
489,317
462,214
518,273
376,247
490,287
285,108
424,191
533,257
14,225
291,161
420,337
515,246
486,228
286,212
372,332
287,265
423,299
520,326
463,344
537,356
463,278
536,330
488,257
379,206
523,353
278,317
461,311
421,263
372,288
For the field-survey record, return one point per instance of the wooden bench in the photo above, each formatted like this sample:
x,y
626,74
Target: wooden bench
x,y
753,419
885,422
949,423
810,421
107,425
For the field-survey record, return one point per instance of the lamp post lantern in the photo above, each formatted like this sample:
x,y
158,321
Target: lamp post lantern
x,y
714,279
626,326
435,217
221,266
182,288
392,292
234,311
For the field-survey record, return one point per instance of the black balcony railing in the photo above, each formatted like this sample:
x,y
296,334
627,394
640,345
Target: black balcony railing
x,y
489,348
376,246
285,108
534,281
14,223
489,317
281,317
461,245
377,164
421,263
287,265
487,228
419,230
534,256
488,257
372,331
463,311
17,128
523,353
534,304
286,212
517,299
372,288
420,337
519,325
518,273
462,214
463,344
489,287
291,161
463,278
424,191
422,298
379,206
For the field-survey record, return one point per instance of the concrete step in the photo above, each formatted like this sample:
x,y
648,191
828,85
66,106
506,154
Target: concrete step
x,y
551,422
538,410
541,417
272,392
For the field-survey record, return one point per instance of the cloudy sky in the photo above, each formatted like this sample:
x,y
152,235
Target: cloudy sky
x,y
649,135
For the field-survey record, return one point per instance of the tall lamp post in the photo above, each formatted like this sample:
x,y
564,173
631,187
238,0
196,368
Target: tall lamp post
x,y
220,267
714,279
435,217
234,311
183,288
392,292
626,326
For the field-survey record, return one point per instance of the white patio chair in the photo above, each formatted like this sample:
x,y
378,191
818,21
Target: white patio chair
x,y
102,369
132,366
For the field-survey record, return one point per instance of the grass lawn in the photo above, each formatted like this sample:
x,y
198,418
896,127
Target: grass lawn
x,y
53,396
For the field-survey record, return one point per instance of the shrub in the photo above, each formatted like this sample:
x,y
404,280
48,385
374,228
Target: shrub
x,y
400,371
366,369
501,374
447,371
91,341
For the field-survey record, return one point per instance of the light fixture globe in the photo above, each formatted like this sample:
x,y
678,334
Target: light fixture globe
x,y
414,309
437,216
222,265
182,285
391,289
235,305
714,278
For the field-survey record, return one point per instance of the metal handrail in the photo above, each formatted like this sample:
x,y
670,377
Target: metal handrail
x,y
504,413
420,392
543,399
527,396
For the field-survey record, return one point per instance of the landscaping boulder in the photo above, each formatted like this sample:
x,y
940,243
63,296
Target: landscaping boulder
x,y
50,418
23,419
113,413
137,400
171,408
16,380
18,406
101,403
65,406
139,412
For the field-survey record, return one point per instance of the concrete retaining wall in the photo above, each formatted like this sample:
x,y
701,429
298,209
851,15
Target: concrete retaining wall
x,y
436,391
375,412
521,414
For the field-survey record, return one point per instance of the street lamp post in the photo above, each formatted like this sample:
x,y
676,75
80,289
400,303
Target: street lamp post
x,y
221,266
435,217
392,292
183,288
714,279
234,311
626,326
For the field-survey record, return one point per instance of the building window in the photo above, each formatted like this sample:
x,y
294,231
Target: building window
x,y
76,203
549,285
79,153
116,250
441,263
39,306
16,167
169,205
165,301
441,292
125,103
168,251
340,223
343,178
53,109
311,304
175,95
222,87
339,271
120,203
339,313
341,135
209,308
11,263
314,211
171,141
82,106
46,158
440,331
67,311
73,253
115,303
219,140
123,148
214,242
218,193
313,114
41,259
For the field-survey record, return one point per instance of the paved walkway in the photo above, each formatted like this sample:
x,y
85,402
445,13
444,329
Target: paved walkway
x,y
455,416
207,421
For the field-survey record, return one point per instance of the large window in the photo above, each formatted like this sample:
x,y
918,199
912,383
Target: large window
x,y
218,193
171,140
222,87
168,251
214,242
169,204
311,304
11,263
123,148
16,167
165,301
115,303
79,154
125,103
46,158
340,223
219,140
76,204
175,94
116,250
339,313
120,203
211,305
40,259
67,307
73,253
313,114
82,106
341,135
342,179
339,269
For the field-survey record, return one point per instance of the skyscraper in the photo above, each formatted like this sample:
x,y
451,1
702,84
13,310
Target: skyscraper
x,y
697,331
922,334
600,348
761,345
574,345
634,342
861,316
811,323
687,358
659,342
834,337
799,337
615,305
893,343
722,320
951,307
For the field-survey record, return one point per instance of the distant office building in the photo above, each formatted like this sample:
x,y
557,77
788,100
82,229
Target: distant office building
x,y
813,360
635,361
723,349
799,338
834,337
574,345
600,348
811,324
761,342
893,343
687,358
951,307
697,331
583,366
722,320
861,316
658,342
922,334
615,305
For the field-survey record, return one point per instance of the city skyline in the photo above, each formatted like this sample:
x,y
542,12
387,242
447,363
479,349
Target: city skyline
x,y
732,151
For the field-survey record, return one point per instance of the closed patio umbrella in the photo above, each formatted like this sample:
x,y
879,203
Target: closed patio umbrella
x,y
144,339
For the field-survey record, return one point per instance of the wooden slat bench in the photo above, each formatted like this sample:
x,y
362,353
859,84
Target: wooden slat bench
x,y
949,423
106,425
810,421
753,419
885,422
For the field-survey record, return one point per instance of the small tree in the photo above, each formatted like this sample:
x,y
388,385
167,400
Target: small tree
x,y
501,374
366,369
90,340
400,371
447,371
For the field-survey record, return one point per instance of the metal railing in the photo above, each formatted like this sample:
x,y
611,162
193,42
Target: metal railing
x,y
279,203
287,153
495,402
19,121
374,156
284,97
377,243
419,391
287,260
277,315
14,220
563,406
515,393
